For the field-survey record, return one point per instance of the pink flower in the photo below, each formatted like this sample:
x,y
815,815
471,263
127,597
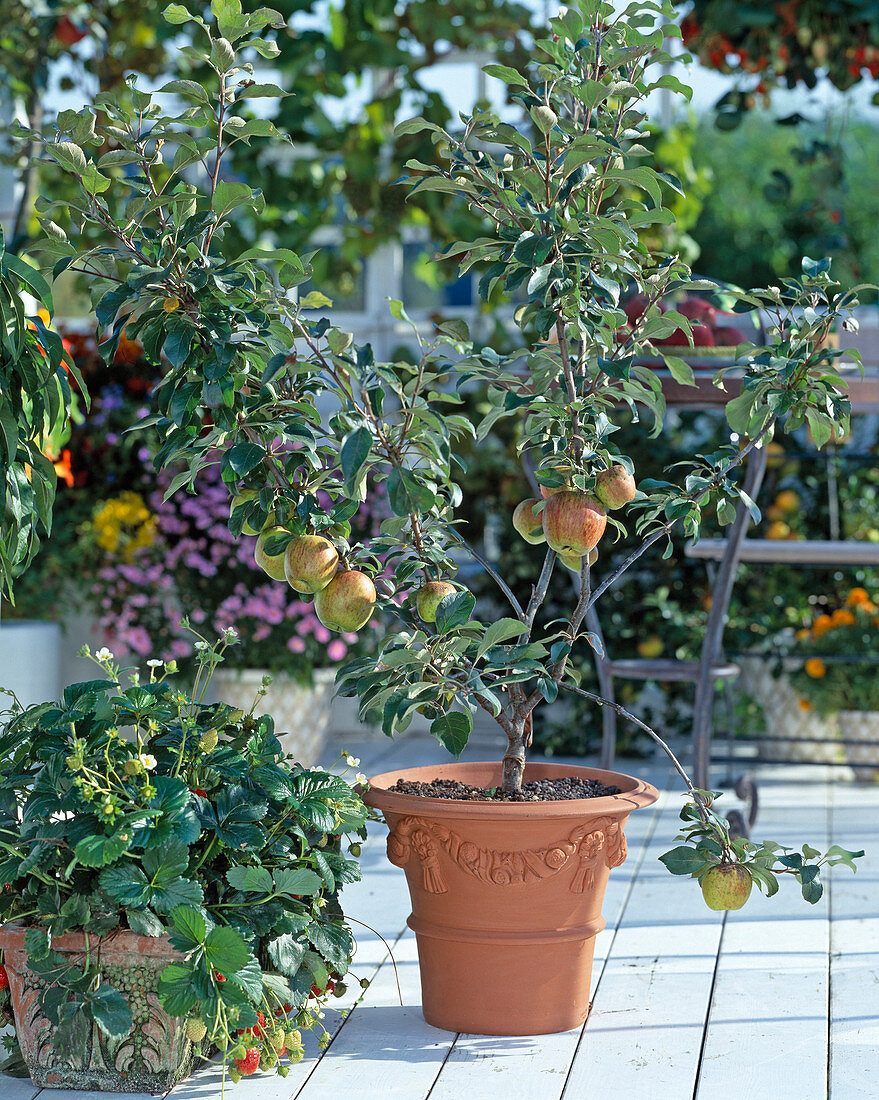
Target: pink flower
x,y
336,650
296,645
322,634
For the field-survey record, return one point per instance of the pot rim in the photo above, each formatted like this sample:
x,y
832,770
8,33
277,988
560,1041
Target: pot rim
x,y
634,794
12,936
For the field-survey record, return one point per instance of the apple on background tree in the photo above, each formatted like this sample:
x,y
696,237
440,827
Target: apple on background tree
x,y
573,522
428,598
310,562
347,602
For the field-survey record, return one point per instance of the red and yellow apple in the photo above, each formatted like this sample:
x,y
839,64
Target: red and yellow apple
x,y
347,602
310,563
428,598
727,886
615,487
573,522
529,526
272,564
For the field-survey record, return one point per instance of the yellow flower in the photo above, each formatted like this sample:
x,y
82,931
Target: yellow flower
x,y
788,500
777,530
821,625
841,617
858,597
815,668
125,525
804,704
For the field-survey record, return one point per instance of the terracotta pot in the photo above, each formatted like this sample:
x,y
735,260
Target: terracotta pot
x,y
152,1057
506,897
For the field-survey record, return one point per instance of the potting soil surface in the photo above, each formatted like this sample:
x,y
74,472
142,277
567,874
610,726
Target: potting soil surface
x,y
538,790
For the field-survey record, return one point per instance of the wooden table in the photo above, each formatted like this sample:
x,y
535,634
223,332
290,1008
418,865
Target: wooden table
x,y
776,1002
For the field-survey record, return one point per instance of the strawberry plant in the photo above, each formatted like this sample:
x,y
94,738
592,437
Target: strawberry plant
x,y
193,825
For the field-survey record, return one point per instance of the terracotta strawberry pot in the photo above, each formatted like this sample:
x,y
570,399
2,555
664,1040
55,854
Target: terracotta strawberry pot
x,y
152,1057
506,897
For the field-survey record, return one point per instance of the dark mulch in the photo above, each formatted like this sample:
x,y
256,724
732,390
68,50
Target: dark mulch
x,y
539,790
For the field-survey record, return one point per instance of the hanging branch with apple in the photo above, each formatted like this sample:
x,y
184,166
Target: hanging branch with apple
x,y
245,366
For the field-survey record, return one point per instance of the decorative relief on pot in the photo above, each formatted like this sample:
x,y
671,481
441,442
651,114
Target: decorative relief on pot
x,y
506,868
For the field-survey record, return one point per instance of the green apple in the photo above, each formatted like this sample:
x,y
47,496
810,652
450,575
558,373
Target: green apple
x,y
242,498
272,564
529,525
575,563
573,522
428,598
727,886
310,563
347,602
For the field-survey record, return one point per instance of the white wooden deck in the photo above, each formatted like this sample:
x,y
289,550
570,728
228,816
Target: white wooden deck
x,y
777,1002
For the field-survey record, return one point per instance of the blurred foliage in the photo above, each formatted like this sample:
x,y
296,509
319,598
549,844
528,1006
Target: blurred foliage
x,y
780,193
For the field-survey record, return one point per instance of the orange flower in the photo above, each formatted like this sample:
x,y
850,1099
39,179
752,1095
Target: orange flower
x,y
815,668
804,704
858,597
841,617
803,635
62,468
821,625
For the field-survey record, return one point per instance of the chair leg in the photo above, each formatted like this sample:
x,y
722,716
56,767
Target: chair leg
x,y
608,727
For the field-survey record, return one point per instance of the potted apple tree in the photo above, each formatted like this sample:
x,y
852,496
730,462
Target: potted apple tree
x,y
507,861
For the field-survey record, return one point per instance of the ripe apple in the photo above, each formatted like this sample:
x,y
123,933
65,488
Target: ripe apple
x,y
529,526
67,32
242,498
428,598
634,309
271,564
347,602
575,564
615,487
727,886
573,522
310,563
676,339
703,337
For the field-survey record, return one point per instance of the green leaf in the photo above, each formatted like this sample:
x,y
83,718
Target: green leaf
x,y
97,851
500,631
178,990
407,493
286,953
680,370
454,610
250,880
110,1011
69,156
188,929
244,457
453,730
506,74
297,881
332,940
226,950
683,861
354,453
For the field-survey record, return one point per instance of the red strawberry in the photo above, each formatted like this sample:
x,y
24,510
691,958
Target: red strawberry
x,y
198,790
249,1063
4,978
219,977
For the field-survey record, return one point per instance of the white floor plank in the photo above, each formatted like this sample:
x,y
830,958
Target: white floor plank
x,y
489,1067
767,1027
384,1050
854,947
